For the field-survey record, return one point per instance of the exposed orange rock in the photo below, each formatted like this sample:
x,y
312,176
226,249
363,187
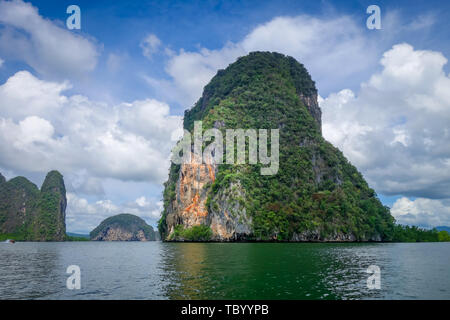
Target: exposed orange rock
x,y
196,207
227,221
191,197
211,173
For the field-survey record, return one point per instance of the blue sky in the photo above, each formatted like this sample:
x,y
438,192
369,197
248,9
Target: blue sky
x,y
119,26
103,104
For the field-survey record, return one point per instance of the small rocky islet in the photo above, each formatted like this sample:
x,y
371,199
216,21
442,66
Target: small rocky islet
x,y
123,227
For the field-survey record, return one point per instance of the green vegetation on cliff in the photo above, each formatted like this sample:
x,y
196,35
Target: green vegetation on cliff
x,y
77,239
415,234
30,214
316,194
195,233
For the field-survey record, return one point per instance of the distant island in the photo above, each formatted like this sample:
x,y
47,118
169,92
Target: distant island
x,y
123,227
78,235
443,233
443,228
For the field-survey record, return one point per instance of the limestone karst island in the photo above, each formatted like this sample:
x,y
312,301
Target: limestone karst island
x,y
316,195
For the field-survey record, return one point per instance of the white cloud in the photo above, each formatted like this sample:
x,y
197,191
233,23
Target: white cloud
x,y
150,45
422,21
93,144
81,182
83,216
48,48
422,212
334,49
113,62
141,202
1,62
25,95
324,45
34,130
396,128
42,129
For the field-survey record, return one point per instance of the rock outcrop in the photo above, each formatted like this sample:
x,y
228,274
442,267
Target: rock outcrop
x,y
227,218
27,213
316,195
123,227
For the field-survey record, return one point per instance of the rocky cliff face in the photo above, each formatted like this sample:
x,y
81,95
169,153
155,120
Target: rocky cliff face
x,y
123,227
312,104
227,218
316,195
27,213
191,194
119,234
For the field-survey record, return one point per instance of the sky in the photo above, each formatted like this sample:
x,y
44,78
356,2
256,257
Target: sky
x,y
104,104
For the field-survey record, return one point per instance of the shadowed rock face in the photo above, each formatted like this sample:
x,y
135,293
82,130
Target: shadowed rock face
x,y
317,195
123,227
312,104
28,213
